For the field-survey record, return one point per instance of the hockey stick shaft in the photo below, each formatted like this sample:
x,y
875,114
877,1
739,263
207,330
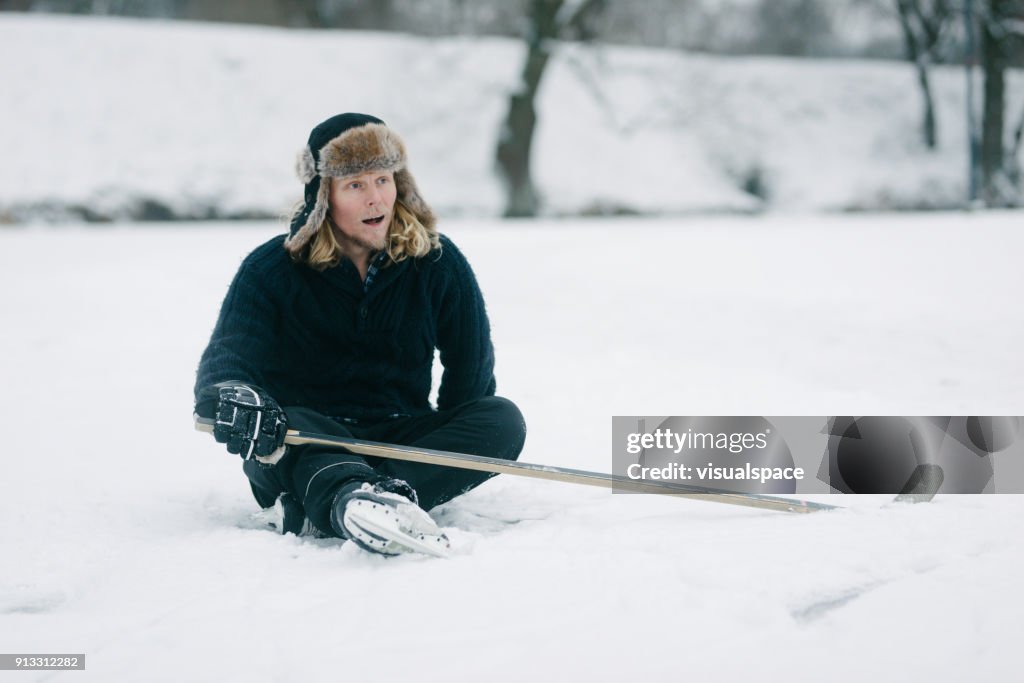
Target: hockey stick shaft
x,y
498,466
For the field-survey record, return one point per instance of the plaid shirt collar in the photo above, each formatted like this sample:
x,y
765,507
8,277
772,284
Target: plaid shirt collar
x,y
375,265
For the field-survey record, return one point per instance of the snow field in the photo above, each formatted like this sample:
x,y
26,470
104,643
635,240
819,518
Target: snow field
x,y
128,536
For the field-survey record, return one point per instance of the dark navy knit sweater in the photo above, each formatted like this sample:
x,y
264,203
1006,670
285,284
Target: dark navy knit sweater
x,y
316,339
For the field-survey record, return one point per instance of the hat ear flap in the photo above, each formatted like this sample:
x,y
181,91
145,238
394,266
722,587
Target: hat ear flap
x,y
301,235
409,195
305,165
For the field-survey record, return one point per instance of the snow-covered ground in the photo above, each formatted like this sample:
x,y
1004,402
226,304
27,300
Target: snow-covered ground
x,y
127,536
108,118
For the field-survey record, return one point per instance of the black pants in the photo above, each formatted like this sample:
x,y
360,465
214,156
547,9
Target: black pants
x,y
491,426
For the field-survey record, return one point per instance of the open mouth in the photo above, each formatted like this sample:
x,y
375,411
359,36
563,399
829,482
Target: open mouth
x,y
374,221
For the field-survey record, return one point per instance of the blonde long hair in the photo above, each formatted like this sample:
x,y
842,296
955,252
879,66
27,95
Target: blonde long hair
x,y
407,237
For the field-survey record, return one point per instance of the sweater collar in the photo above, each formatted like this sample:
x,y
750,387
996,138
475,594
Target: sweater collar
x,y
381,273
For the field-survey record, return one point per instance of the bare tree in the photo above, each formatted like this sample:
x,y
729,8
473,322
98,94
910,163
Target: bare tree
x,y
1014,163
1002,28
923,23
546,22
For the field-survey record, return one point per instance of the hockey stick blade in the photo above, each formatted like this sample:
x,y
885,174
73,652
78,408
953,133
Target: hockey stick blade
x,y
498,466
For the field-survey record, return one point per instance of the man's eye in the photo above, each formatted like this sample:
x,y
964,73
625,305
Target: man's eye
x,y
382,181
354,186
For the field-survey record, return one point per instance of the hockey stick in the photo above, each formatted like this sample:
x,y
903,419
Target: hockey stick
x,y
498,466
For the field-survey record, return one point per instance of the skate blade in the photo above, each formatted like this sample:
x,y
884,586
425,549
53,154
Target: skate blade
x,y
406,527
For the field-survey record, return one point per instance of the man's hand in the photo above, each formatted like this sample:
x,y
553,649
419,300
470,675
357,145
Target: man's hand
x,y
250,422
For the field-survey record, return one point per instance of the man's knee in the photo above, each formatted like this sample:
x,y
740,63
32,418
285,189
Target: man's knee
x,y
508,423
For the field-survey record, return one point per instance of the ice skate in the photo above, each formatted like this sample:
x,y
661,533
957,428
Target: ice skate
x,y
384,518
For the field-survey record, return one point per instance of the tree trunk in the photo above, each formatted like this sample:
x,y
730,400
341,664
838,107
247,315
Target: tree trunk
x,y
919,52
1014,161
993,63
514,145
930,133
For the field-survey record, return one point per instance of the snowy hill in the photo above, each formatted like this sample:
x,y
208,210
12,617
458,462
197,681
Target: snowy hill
x,y
116,119
127,536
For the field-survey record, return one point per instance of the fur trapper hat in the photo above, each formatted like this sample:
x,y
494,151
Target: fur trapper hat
x,y
347,145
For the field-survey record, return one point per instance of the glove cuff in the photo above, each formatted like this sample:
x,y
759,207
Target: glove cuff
x,y
274,457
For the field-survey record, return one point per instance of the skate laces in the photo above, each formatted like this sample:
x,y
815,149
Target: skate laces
x,y
396,486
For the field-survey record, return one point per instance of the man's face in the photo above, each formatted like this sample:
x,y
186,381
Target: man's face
x,y
361,208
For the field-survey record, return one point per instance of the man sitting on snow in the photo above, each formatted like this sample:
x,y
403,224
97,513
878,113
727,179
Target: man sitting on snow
x,y
333,328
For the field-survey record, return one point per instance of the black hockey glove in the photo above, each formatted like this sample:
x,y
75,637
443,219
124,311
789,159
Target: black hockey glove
x,y
249,421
